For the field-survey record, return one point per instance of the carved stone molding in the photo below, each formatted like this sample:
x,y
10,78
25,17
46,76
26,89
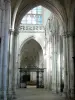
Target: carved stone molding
x,y
11,31
68,34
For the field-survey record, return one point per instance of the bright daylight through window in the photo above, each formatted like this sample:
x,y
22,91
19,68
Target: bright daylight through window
x,y
34,16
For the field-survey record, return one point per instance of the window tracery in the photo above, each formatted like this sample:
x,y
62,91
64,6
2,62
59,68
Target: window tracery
x,y
34,16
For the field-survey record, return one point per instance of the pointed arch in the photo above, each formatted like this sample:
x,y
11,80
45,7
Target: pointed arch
x,y
53,6
28,39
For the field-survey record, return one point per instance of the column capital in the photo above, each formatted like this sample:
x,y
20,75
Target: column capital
x,y
11,31
68,34
54,34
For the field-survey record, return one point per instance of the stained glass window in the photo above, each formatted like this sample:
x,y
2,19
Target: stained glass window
x,y
34,16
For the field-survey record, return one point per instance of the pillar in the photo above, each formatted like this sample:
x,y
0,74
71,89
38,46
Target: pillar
x,y
56,58
65,66
54,64
68,64
5,47
14,68
61,64
53,79
10,65
71,64
18,62
74,75
2,18
0,63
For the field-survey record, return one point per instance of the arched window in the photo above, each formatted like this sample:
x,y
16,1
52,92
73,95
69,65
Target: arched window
x,y
34,16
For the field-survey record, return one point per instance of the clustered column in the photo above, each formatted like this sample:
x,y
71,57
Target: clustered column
x,y
68,64
54,63
14,69
10,64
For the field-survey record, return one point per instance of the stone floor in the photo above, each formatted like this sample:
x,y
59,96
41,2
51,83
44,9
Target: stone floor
x,y
36,94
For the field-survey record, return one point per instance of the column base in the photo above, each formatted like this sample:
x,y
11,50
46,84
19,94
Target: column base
x,y
65,92
9,97
69,94
72,93
1,94
9,94
14,95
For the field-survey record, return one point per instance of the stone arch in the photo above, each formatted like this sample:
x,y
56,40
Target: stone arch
x,y
26,40
49,5
39,49
14,13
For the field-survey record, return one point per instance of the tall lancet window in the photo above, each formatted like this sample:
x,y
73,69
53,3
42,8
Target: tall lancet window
x,y
34,16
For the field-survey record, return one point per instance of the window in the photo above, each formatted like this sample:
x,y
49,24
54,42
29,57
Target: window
x,y
34,16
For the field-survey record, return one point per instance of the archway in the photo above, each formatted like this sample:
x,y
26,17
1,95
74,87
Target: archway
x,y
31,61
60,13
52,58
63,19
64,11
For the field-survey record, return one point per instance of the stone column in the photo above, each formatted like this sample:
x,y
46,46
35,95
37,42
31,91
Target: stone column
x,y
2,19
10,65
74,75
5,49
18,71
61,62
58,63
55,70
56,57
18,62
0,63
65,66
53,65
14,69
68,64
71,64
